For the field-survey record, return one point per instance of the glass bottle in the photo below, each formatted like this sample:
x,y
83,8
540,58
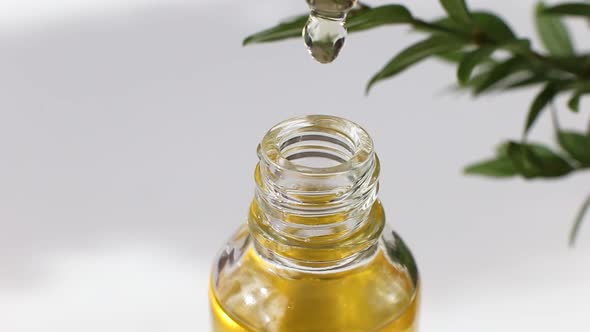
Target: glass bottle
x,y
315,254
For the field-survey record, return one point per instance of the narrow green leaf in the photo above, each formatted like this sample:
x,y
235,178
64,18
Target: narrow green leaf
x,y
539,103
581,88
553,33
499,167
576,145
572,9
444,26
517,153
574,102
493,26
457,10
484,22
526,81
535,160
482,54
502,149
516,46
525,159
477,79
288,29
453,56
414,54
358,19
578,221
499,72
471,60
379,16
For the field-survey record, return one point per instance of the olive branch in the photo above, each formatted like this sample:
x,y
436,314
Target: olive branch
x,y
490,57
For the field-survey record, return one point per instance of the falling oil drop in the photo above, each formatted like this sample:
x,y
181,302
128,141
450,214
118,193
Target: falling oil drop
x,y
325,32
324,37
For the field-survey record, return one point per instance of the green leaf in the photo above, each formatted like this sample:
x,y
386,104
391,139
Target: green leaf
x,y
484,22
553,33
358,19
375,17
516,46
576,145
453,56
471,60
573,9
502,149
288,29
580,89
526,81
499,72
499,167
457,10
476,57
539,103
493,26
414,54
476,80
534,161
578,221
574,102
443,26
525,159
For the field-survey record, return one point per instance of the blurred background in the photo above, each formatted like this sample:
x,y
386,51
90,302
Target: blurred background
x,y
128,132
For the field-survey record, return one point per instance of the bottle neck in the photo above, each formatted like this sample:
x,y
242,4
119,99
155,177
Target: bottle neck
x,y
316,204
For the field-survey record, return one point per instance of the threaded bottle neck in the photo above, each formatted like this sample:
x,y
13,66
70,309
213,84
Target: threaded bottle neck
x,y
317,183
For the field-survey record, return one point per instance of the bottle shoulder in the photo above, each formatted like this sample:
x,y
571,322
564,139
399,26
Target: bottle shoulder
x,y
268,297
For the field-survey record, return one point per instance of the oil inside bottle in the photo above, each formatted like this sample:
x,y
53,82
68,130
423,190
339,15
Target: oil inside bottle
x,y
325,32
257,295
261,297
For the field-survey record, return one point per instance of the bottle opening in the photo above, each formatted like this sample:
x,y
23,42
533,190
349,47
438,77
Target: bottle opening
x,y
316,144
317,150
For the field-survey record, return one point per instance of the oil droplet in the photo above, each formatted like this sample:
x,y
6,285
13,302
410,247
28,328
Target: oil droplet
x,y
324,37
324,32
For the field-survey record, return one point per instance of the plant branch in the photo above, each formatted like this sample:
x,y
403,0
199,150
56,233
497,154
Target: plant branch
x,y
469,39
477,39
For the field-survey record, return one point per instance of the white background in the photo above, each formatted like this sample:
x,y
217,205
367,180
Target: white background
x,y
127,144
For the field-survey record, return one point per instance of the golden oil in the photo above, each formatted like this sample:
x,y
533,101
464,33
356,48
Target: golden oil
x,y
376,297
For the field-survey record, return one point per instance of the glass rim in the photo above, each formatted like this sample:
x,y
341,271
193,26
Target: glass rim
x,y
271,147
